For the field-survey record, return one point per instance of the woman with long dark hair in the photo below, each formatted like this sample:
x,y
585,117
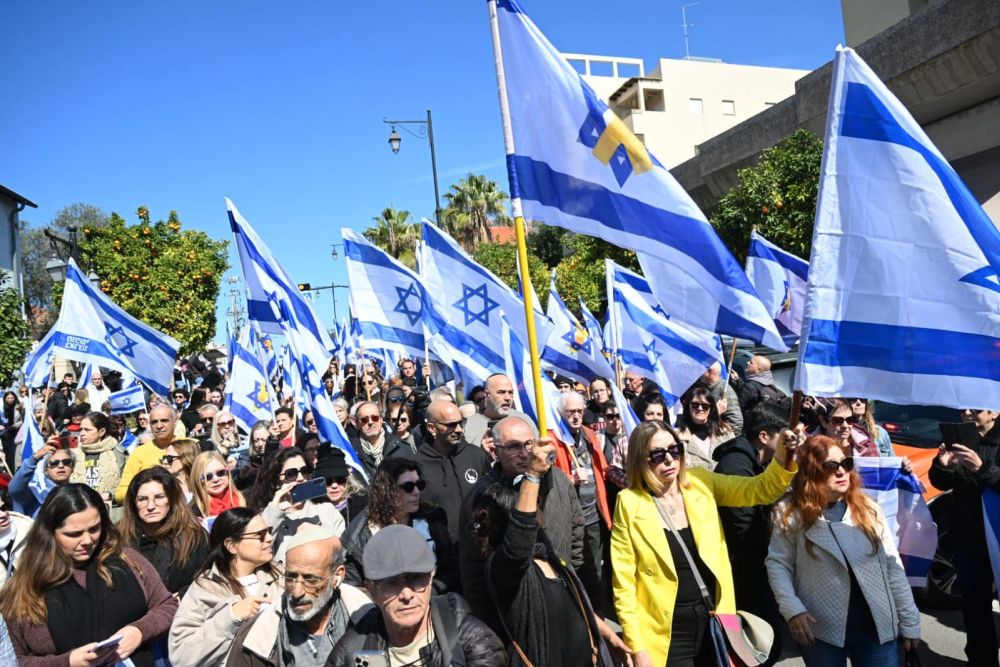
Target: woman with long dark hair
x,y
236,579
252,458
99,459
159,524
83,587
394,497
829,531
701,427
271,495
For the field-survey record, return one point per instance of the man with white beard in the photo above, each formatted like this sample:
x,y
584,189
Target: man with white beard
x,y
315,611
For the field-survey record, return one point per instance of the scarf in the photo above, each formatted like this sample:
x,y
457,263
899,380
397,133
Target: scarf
x,y
295,651
105,472
226,501
762,377
374,450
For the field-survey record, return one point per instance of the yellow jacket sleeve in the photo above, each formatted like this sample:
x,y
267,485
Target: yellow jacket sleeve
x,y
623,578
763,489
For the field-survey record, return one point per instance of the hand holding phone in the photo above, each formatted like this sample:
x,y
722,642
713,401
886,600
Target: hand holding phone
x,y
962,433
314,488
68,442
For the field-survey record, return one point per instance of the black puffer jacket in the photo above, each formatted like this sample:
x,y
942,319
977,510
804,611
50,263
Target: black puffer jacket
x,y
175,577
459,638
966,513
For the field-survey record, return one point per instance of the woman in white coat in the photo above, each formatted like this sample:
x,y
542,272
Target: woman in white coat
x,y
834,567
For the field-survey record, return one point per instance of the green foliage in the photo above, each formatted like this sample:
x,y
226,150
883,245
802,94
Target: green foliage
x,y
581,273
548,243
15,338
162,275
501,259
395,234
778,195
474,204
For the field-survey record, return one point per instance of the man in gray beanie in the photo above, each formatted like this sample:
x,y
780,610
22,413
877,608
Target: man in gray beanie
x,y
409,625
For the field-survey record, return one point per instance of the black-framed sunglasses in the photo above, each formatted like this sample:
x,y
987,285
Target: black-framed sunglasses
x,y
60,463
840,421
168,459
261,535
339,481
612,415
292,474
830,467
407,487
659,455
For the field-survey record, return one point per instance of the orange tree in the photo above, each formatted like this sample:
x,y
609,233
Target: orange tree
x,y
159,273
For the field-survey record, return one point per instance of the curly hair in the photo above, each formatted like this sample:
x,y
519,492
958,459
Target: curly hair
x,y
383,509
267,483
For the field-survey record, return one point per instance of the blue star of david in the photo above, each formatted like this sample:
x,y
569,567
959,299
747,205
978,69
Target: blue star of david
x,y
482,315
126,347
651,352
259,396
985,277
573,338
659,309
403,306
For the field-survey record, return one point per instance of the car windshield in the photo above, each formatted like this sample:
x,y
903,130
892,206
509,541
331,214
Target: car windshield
x,y
914,424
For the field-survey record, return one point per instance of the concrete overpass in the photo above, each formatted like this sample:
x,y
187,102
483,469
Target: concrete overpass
x,y
943,62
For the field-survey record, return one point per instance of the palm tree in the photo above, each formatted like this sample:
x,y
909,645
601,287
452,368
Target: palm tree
x,y
395,235
475,204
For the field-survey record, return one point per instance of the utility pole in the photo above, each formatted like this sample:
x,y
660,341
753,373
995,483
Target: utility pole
x,y
235,304
686,25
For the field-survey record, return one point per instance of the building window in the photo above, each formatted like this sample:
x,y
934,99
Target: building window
x,y
694,105
728,108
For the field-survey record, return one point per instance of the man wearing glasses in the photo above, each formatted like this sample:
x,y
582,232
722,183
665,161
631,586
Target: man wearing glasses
x,y
374,442
162,420
317,608
409,626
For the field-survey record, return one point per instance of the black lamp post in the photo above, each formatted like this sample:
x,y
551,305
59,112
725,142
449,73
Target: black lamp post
x,y
62,251
425,128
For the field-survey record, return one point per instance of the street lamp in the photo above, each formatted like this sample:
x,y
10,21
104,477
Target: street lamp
x,y
333,249
62,251
425,129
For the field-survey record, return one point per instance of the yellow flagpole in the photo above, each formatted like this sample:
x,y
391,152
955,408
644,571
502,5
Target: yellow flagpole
x,y
515,205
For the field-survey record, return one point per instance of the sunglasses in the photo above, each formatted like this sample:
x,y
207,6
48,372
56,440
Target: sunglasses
x,y
407,487
228,423
222,473
292,474
374,419
261,535
830,467
60,463
449,425
339,481
168,459
696,405
397,399
612,415
659,455
840,421
310,423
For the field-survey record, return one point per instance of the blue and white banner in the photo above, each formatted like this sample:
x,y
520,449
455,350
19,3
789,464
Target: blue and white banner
x,y
594,329
249,395
40,484
991,522
128,442
903,302
38,363
577,165
129,399
86,374
900,496
570,349
780,279
629,419
388,300
93,329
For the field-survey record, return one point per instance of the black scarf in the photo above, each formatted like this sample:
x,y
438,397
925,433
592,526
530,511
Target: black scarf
x,y
77,616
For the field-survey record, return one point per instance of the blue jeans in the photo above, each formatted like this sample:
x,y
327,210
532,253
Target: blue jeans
x,y
863,650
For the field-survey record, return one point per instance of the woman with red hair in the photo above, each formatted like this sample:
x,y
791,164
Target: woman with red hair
x,y
834,567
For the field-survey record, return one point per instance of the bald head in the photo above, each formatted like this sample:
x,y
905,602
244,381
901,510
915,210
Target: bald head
x,y
758,364
444,422
321,555
499,396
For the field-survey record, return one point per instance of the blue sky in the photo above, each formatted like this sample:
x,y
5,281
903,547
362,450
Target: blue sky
x,y
279,105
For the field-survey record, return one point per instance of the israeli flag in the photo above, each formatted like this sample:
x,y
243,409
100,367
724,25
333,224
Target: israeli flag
x,y
468,300
630,420
780,279
667,352
991,522
39,483
86,374
127,400
93,329
128,442
38,363
269,286
291,381
594,329
903,302
900,496
517,366
249,395
570,349
578,166
387,299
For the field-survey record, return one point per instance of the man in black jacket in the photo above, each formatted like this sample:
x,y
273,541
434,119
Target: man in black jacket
x,y
748,529
451,465
374,443
410,626
967,473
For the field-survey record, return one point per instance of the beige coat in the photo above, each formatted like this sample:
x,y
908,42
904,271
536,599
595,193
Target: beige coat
x,y
204,628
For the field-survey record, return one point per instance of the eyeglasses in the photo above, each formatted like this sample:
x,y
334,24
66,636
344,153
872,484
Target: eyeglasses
x,y
221,473
830,467
158,499
292,474
407,487
515,446
60,463
168,459
397,399
261,535
578,411
231,422
372,419
309,581
449,425
339,481
972,411
840,421
392,587
310,423
612,415
659,455
856,400
698,406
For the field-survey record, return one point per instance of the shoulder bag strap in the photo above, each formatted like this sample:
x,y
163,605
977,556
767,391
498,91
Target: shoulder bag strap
x,y
669,524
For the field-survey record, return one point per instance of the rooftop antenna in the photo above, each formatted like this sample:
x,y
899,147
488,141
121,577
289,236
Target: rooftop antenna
x,y
686,25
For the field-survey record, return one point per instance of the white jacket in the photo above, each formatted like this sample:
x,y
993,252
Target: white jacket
x,y
821,586
20,524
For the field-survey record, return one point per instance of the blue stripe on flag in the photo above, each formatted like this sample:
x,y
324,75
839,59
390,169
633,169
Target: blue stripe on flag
x,y
387,334
888,479
760,249
915,566
898,349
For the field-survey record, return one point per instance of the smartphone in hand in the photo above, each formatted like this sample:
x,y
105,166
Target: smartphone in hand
x,y
314,488
962,433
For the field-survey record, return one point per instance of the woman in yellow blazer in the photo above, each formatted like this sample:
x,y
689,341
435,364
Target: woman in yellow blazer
x,y
657,598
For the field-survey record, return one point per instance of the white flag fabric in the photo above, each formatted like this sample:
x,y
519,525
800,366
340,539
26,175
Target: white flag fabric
x,y
249,395
571,350
517,366
780,279
93,329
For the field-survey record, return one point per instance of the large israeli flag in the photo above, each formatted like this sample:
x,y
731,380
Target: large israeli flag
x,y
38,363
571,350
671,354
903,302
575,164
93,329
468,301
249,395
39,484
780,279
387,299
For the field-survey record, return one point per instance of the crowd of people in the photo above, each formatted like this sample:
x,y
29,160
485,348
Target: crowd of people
x,y
463,536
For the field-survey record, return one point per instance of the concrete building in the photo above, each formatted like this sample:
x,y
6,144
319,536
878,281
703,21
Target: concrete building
x,y
940,58
11,204
683,102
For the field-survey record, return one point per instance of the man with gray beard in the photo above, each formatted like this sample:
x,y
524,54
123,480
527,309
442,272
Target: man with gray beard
x,y
315,611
